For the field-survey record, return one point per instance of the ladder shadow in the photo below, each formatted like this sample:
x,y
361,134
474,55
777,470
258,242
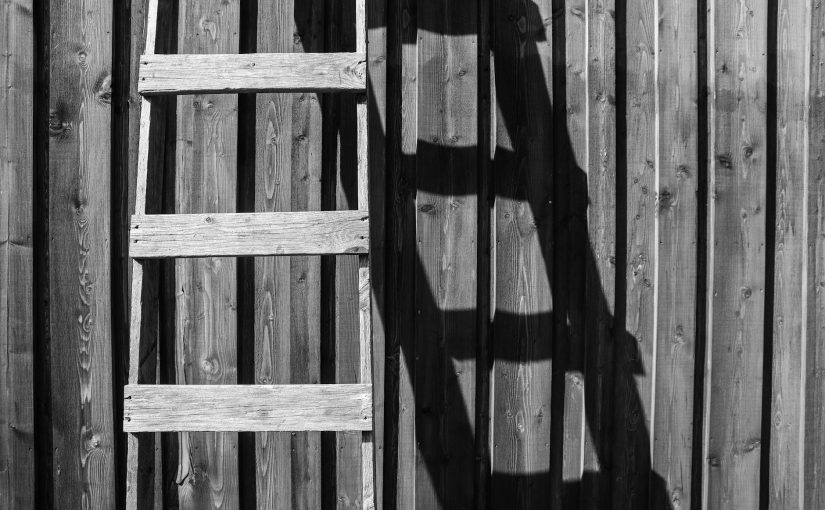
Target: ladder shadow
x,y
583,336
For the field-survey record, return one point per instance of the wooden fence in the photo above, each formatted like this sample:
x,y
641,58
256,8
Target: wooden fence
x,y
599,275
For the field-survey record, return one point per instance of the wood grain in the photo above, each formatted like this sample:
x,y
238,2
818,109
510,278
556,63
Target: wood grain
x,y
523,325
261,72
676,281
634,365
791,294
79,253
570,140
342,473
376,36
225,235
814,432
170,408
205,315
273,185
600,277
305,272
402,131
16,256
737,228
446,230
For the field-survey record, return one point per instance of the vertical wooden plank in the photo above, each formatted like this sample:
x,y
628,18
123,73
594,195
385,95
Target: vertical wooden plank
x,y
364,280
446,230
738,177
376,25
273,184
523,322
79,248
402,251
634,364
16,257
305,272
343,478
206,329
600,270
677,222
790,335
570,147
814,432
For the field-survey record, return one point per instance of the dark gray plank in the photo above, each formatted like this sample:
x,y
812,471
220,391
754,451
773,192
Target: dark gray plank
x,y
16,256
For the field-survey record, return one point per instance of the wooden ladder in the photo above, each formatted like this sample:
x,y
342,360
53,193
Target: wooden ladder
x,y
152,408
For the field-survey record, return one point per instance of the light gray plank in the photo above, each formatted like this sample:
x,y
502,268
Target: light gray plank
x,y
260,72
231,408
252,234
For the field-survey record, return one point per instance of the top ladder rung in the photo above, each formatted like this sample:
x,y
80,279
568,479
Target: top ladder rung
x,y
252,72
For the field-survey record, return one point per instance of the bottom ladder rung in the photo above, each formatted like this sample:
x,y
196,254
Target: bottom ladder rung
x,y
252,408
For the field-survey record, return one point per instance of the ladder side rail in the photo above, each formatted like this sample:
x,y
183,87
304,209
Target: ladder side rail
x,y
136,301
364,287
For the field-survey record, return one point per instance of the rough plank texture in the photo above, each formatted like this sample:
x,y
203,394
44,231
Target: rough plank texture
x,y
402,133
305,272
634,365
83,432
814,432
790,331
376,26
600,282
273,185
342,463
267,72
156,408
570,147
16,257
676,283
446,223
737,227
225,235
205,315
523,243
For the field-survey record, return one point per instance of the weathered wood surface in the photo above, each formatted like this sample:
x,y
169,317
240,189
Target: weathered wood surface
x,y
737,68
402,134
79,257
765,157
305,272
790,334
205,289
570,147
602,252
258,234
377,18
318,407
523,252
263,72
446,230
814,217
635,335
341,470
273,192
676,208
17,463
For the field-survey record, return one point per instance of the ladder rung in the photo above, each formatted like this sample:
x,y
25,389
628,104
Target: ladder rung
x,y
236,408
256,72
249,234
